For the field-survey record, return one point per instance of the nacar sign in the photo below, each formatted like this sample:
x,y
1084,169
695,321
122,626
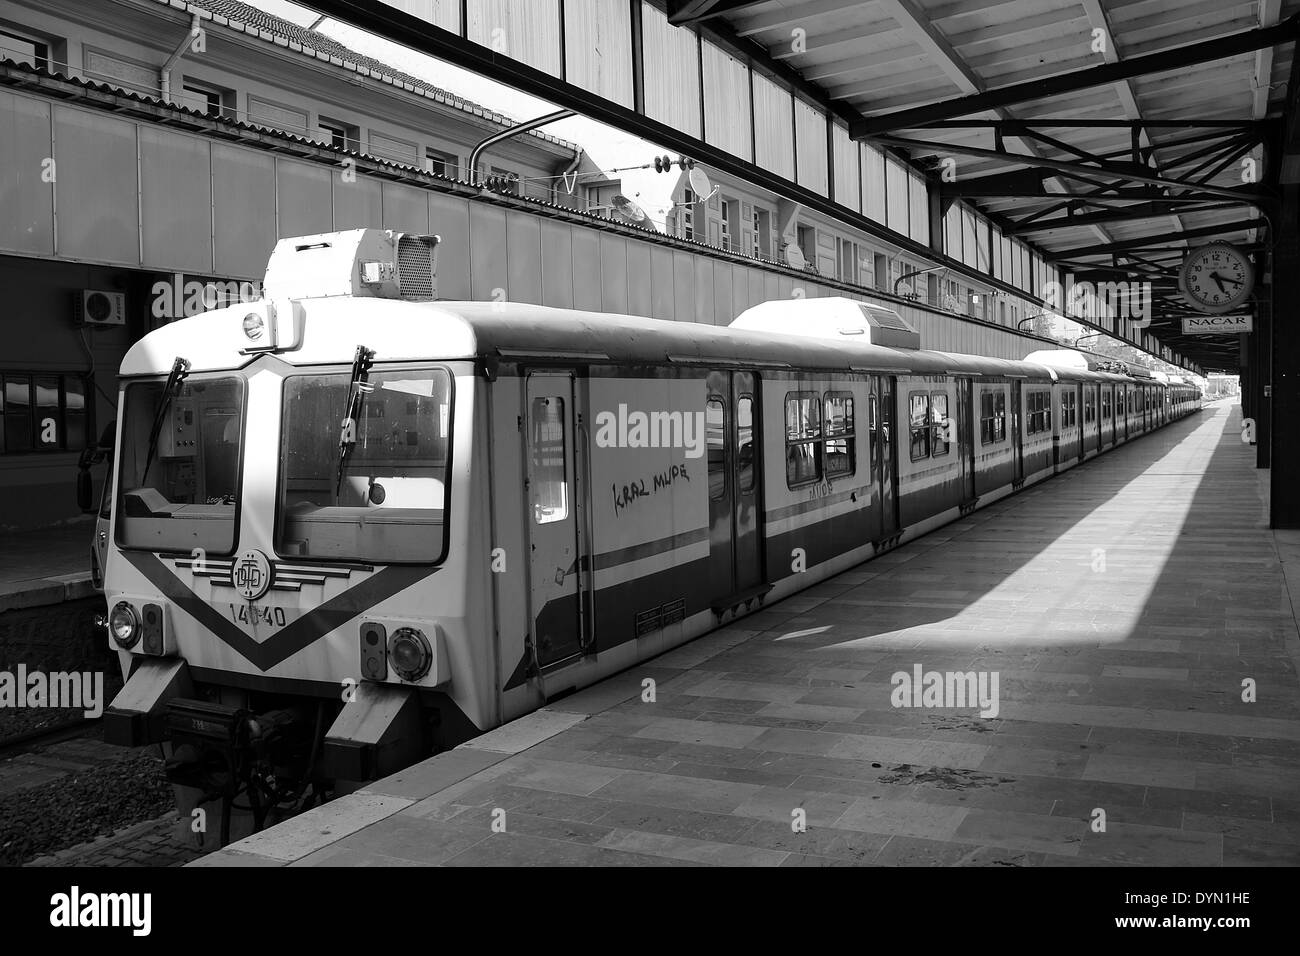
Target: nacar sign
x,y
1217,324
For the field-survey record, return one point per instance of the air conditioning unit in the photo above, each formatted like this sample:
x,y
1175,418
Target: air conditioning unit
x,y
100,308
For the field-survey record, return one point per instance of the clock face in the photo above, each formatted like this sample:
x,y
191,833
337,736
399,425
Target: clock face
x,y
1217,277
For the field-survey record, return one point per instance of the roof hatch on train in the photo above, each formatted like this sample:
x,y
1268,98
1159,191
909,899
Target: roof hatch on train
x,y
831,317
378,263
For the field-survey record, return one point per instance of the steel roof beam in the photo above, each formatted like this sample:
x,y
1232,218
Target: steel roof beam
x,y
1139,211
683,12
1128,171
1157,241
1247,41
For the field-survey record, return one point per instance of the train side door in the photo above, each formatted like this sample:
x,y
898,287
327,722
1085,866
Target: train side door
x,y
552,500
966,437
1080,415
884,453
735,509
1017,437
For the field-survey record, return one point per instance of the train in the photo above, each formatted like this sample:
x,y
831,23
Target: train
x,y
351,524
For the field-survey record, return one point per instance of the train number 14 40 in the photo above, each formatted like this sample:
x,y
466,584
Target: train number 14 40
x,y
255,616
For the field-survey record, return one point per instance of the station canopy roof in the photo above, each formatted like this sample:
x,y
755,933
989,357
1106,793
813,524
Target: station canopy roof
x,y
1113,135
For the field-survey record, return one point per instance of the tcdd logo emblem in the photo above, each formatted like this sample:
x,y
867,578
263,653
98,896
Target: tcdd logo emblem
x,y
251,574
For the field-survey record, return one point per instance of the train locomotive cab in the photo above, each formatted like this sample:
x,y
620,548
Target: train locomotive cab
x,y
288,541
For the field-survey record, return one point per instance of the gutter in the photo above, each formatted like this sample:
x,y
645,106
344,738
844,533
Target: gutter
x,y
165,74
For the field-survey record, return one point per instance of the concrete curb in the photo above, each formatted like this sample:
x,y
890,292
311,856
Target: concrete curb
x,y
43,592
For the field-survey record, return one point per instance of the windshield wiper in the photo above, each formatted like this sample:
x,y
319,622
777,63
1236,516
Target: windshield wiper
x,y
357,389
180,369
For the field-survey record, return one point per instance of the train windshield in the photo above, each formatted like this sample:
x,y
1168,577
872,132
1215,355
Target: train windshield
x,y
179,475
371,486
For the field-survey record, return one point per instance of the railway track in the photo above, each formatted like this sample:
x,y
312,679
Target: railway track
x,y
31,740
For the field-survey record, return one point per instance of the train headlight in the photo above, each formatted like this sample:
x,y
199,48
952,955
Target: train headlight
x,y
124,625
254,326
409,653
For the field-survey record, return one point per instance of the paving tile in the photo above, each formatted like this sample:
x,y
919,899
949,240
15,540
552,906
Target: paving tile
x,y
902,818
687,793
695,851
1144,771
714,827
1153,846
701,732
1024,831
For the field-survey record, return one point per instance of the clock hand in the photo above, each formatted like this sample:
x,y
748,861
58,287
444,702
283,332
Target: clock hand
x,y
1216,278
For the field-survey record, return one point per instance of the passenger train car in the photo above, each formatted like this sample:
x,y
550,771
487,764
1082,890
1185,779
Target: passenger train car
x,y
351,523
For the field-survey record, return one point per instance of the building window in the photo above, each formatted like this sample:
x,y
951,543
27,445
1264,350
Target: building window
x,y
919,420
993,416
1039,419
803,432
504,180
806,237
339,134
212,100
939,413
23,50
43,412
839,434
848,256
688,214
762,239
726,224
441,164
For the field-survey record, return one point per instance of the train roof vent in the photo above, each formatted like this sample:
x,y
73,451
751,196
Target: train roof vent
x,y
377,263
831,317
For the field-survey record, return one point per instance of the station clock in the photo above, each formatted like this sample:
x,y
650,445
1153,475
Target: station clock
x,y
1216,277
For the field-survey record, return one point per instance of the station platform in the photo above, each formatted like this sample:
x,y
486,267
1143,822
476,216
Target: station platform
x,y
48,566
1122,606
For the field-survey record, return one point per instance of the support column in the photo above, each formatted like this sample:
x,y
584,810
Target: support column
x,y
1284,345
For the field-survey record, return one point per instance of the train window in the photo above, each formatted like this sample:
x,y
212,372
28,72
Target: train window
x,y
1089,404
714,422
803,432
179,471
745,443
549,478
942,425
382,495
1105,403
1039,418
839,434
919,413
1069,409
993,416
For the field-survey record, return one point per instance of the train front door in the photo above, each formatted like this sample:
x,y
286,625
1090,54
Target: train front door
x,y
555,579
734,458
884,455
